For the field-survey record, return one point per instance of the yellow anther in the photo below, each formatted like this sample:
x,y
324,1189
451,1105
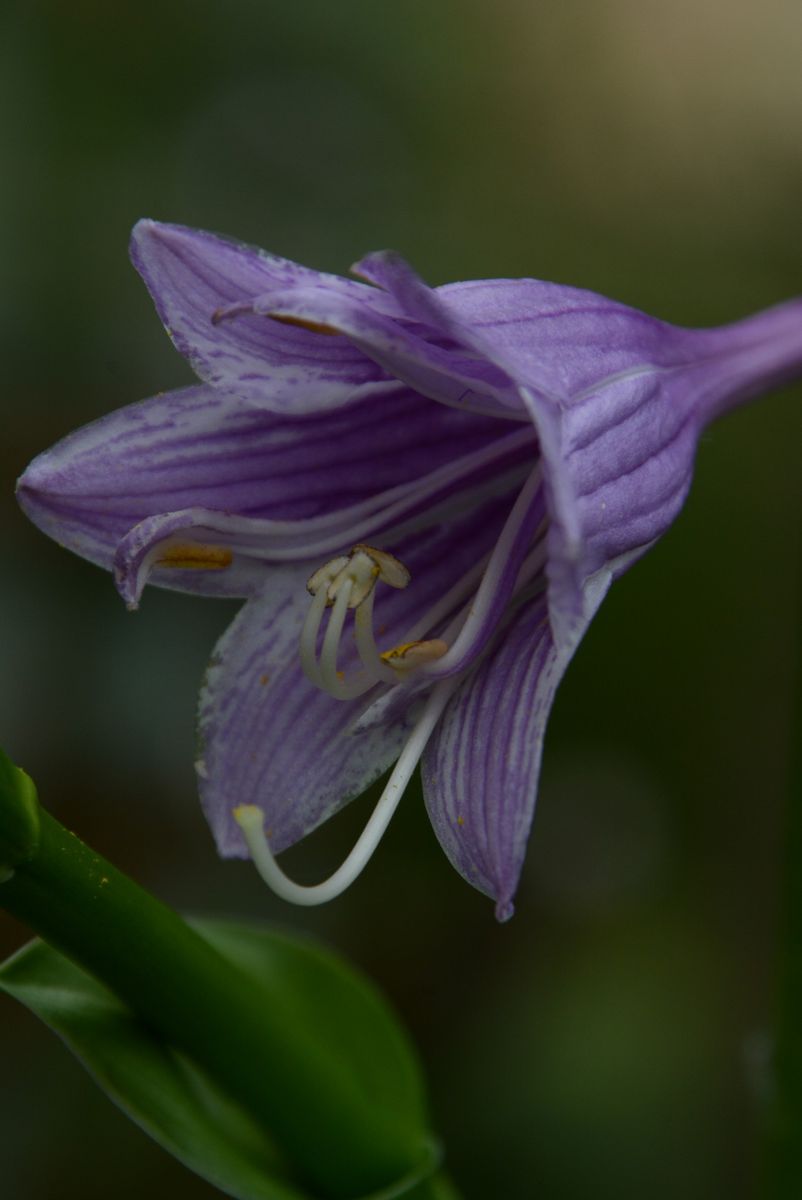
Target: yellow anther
x,y
324,576
388,568
195,557
414,654
361,568
312,326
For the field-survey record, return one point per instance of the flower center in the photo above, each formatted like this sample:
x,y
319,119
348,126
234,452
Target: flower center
x,y
471,609
347,583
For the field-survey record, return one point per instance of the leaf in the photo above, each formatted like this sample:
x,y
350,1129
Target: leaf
x,y
178,1105
344,1008
19,815
155,1086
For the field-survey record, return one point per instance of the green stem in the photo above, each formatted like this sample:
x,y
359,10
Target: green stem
x,y
195,998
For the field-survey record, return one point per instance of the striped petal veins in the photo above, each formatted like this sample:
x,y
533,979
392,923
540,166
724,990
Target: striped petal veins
x,y
422,494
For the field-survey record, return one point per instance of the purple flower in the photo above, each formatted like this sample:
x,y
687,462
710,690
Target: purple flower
x,y
455,474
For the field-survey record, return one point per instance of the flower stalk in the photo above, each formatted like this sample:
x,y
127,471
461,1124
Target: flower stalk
x,y
19,818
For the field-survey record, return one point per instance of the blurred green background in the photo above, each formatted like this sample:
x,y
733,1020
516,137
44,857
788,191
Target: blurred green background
x,y
611,1040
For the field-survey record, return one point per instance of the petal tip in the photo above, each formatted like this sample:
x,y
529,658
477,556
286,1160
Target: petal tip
x,y
144,225
128,581
144,230
149,227
23,490
504,910
31,493
33,479
151,237
368,267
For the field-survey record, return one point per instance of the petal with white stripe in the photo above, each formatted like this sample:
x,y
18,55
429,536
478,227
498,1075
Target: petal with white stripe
x,y
198,448
195,277
481,768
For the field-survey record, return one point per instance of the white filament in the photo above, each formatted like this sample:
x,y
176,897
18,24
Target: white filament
x,y
291,541
481,603
250,818
349,583
462,632
308,642
366,644
331,642
465,627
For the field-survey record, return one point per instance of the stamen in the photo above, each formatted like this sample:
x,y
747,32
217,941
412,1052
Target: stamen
x,y
169,553
517,533
227,311
530,582
396,512
302,323
366,644
246,307
467,634
324,576
389,569
446,604
531,567
347,581
409,655
331,642
308,642
195,557
250,818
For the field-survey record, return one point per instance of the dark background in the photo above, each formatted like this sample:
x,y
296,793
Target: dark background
x,y
611,1040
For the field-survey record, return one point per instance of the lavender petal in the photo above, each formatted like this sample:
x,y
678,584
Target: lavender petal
x,y
198,448
268,737
480,770
194,276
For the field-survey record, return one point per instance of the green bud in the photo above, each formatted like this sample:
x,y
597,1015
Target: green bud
x,y
19,817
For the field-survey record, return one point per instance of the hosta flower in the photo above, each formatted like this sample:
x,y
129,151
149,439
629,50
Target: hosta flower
x,y
423,494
